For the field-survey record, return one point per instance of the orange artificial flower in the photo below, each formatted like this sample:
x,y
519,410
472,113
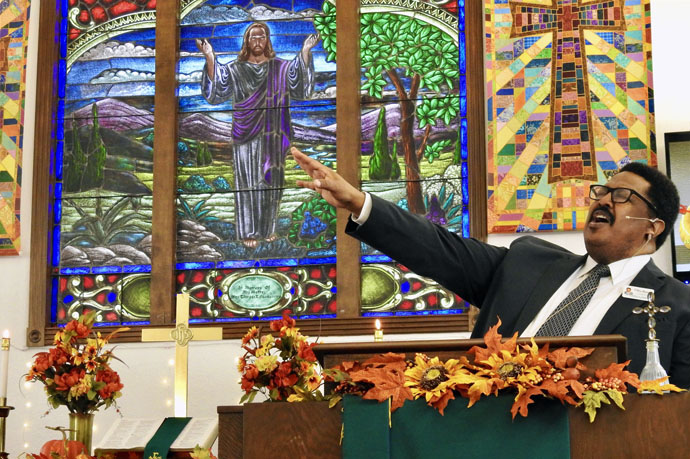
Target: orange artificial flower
x,y
251,334
76,371
112,383
65,381
306,352
81,330
284,377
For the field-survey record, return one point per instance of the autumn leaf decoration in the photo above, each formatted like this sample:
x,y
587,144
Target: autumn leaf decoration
x,y
658,386
499,365
381,377
287,366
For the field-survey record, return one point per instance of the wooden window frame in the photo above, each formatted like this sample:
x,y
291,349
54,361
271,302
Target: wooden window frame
x,y
348,322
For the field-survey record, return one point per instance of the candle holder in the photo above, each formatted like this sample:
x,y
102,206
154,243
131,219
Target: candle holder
x,y
4,412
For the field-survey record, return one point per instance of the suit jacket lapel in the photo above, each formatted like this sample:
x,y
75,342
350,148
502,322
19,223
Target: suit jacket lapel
x,y
649,277
554,276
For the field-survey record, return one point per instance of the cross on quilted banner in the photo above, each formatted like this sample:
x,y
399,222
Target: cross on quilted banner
x,y
571,150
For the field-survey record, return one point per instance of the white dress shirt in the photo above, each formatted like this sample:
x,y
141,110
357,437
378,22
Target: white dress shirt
x,y
366,210
610,288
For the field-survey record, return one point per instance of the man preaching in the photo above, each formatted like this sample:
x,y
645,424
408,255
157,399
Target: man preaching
x,y
260,86
538,288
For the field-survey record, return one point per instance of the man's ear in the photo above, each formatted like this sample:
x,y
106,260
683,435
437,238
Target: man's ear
x,y
659,226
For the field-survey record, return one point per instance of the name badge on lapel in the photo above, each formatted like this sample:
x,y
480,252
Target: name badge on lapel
x,y
638,293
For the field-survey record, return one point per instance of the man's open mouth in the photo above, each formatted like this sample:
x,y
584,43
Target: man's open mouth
x,y
602,215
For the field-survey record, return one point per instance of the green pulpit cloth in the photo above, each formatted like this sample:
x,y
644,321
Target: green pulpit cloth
x,y
165,436
485,430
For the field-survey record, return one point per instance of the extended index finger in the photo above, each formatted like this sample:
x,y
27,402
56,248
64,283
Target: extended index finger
x,y
309,165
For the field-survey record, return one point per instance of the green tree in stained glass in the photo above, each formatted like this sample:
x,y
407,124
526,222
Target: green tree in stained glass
x,y
393,47
96,153
75,163
380,163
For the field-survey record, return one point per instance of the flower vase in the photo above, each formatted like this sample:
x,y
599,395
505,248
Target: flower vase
x,y
81,429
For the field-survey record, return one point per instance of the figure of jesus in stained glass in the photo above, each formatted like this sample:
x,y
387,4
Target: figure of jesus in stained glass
x,y
261,86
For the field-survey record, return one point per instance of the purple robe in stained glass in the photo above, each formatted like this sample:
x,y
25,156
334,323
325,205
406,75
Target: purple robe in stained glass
x,y
261,132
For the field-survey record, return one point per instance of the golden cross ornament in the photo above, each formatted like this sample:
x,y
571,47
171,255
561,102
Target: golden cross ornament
x,y
181,335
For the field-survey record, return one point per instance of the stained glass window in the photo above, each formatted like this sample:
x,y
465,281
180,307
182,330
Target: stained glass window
x,y
240,214
104,161
414,147
249,243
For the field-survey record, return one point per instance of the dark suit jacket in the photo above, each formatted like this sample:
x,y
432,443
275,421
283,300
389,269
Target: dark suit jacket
x,y
515,283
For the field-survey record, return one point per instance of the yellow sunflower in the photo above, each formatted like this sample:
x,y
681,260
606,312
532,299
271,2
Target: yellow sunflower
x,y
431,378
512,369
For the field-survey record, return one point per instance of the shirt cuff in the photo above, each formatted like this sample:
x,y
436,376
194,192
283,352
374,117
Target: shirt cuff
x,y
366,210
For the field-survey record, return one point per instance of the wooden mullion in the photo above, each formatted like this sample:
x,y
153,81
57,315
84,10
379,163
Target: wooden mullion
x,y
476,118
43,180
348,145
476,126
165,164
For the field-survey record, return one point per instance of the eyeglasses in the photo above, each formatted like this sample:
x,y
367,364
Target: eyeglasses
x,y
618,195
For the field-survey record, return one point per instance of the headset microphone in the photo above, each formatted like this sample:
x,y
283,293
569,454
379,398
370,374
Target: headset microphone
x,y
653,220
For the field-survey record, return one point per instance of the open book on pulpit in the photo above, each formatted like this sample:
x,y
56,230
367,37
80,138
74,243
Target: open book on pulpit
x,y
134,434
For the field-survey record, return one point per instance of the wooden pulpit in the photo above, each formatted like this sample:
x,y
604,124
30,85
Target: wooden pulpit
x,y
650,426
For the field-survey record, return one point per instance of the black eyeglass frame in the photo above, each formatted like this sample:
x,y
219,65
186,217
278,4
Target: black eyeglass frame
x,y
593,195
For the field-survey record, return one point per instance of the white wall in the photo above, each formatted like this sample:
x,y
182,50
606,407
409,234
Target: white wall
x,y
213,381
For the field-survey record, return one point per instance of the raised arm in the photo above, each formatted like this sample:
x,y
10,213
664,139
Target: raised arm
x,y
207,50
311,41
329,184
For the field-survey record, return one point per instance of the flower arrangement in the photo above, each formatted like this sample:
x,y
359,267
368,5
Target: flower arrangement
x,y
280,368
76,372
500,365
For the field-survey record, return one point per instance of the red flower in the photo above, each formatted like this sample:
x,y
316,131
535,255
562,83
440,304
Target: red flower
x,y
305,351
65,381
58,356
276,325
81,331
247,384
112,383
283,375
250,374
42,363
286,321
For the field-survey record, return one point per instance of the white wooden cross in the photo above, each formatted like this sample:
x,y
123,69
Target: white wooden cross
x,y
182,335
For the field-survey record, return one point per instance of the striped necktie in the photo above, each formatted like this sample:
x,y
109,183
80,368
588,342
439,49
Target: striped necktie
x,y
566,314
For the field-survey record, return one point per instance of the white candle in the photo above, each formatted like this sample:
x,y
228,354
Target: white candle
x,y
4,363
378,333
